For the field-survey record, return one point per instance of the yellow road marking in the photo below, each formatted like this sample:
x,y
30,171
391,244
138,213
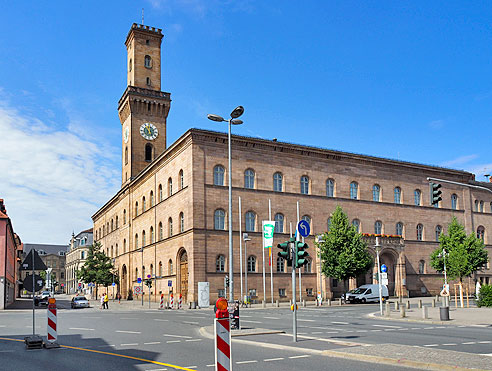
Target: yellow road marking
x,y
115,354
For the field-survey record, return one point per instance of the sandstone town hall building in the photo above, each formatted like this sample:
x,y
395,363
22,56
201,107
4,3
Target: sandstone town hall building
x,y
169,219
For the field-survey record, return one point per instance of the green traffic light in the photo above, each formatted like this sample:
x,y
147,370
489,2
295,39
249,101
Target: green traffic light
x,y
435,193
301,254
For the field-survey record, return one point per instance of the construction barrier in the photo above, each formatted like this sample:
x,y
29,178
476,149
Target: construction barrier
x,y
180,303
52,332
171,302
223,359
161,305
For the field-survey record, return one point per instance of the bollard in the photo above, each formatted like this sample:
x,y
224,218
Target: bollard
x,y
180,303
433,303
223,359
437,298
408,304
387,309
171,304
161,305
340,301
397,305
304,303
263,304
424,313
329,302
276,303
402,311
420,303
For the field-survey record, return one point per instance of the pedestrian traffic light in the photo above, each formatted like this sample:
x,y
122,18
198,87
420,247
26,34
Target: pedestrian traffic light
x,y
435,193
148,282
226,281
285,253
301,254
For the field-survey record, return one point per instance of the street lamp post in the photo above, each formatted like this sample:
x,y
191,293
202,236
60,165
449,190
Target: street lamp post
x,y
237,112
378,248
246,239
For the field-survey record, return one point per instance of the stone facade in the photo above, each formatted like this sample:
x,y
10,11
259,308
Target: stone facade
x,y
75,259
162,221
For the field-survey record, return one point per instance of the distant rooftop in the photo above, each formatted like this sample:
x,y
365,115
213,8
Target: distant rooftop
x,y
48,249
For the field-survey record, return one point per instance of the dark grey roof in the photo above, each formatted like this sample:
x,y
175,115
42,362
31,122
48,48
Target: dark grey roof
x,y
48,249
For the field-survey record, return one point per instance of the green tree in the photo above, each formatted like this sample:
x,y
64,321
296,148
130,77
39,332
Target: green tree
x,y
464,254
342,251
98,267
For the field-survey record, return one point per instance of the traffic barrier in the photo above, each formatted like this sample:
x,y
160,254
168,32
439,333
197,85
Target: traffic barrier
x,y
171,304
180,303
161,305
52,332
223,356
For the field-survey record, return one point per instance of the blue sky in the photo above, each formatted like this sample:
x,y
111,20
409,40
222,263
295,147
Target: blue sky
x,y
407,80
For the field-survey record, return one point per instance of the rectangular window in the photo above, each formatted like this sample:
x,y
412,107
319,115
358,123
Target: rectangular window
x,y
334,282
252,293
281,293
309,292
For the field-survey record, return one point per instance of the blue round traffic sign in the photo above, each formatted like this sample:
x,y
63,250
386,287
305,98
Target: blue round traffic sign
x,y
303,228
139,280
384,268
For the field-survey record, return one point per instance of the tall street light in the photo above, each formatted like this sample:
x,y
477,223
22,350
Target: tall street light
x,y
237,112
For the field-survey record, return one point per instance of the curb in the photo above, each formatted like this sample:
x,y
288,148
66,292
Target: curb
x,y
375,315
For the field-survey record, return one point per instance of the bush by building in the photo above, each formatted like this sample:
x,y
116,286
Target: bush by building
x,y
485,296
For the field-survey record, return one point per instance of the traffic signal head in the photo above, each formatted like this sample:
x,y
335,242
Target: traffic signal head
x,y
226,281
435,193
148,282
285,253
301,257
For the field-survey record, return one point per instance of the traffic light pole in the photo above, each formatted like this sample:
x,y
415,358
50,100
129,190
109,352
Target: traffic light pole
x,y
294,304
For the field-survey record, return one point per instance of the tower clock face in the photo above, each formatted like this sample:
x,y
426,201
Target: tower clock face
x,y
149,131
126,134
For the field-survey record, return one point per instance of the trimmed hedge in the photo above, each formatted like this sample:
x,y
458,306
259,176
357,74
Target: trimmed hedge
x,y
485,296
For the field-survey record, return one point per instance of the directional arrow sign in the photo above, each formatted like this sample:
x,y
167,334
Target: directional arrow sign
x,y
303,228
38,263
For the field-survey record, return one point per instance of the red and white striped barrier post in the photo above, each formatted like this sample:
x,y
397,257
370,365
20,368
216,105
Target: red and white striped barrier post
x,y
180,304
52,333
171,302
161,305
222,330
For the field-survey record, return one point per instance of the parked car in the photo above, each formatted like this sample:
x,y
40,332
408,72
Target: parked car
x,y
42,299
79,302
367,294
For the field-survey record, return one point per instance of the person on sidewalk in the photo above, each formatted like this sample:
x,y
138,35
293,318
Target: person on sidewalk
x,y
102,302
106,301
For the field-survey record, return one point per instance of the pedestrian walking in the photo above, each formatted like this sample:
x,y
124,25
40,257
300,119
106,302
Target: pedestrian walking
x,y
106,301
102,301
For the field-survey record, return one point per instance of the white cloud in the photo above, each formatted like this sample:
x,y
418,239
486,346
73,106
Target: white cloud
x,y
436,124
52,180
460,160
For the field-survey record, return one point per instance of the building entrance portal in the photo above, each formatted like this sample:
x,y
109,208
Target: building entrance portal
x,y
183,274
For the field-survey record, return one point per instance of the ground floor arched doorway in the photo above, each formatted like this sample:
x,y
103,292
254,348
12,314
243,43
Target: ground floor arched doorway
x,y
183,273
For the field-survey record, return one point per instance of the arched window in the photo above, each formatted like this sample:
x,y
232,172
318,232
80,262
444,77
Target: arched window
x,y
151,234
219,175
104,230
116,221
136,274
124,216
422,267
250,220
354,191
277,182
356,224
160,269
280,264
136,208
438,232
279,223
399,229
491,207
304,185
124,246
328,224
170,224
481,206
251,263
330,188
160,193
143,239
307,266
378,227
149,150
454,202
220,264
249,179
143,272
170,187
112,252
112,225
481,233
420,232
181,179
116,250
417,199
161,232
219,219
136,241
181,222
151,198
476,205
152,270
376,193
126,155
148,61
170,267
144,204
397,195
107,227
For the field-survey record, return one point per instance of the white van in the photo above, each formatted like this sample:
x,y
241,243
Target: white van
x,y
367,294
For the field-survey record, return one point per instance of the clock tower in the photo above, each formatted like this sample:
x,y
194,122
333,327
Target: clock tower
x,y
143,108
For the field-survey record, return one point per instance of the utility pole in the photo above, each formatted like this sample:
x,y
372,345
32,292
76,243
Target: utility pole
x,y
294,303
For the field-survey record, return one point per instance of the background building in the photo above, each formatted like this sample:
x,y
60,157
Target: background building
x,y
54,257
75,259
169,219
10,250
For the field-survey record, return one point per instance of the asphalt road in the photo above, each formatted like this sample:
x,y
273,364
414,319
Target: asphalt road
x,y
104,339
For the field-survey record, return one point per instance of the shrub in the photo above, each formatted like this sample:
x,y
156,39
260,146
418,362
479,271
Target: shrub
x,y
485,296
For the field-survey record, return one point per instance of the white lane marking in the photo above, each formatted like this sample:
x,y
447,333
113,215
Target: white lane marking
x,y
478,326
462,326
269,359
440,327
178,336
2,325
191,323
485,354
431,345
162,320
388,326
303,356
194,340
243,362
152,343
128,332
403,329
428,328
81,328
6,351
191,366
469,343
92,317
447,344
320,328
306,320
157,369
484,342
271,317
415,328
316,332
340,323
331,332
104,346
129,344
173,341
212,365
244,317
390,329
376,330
128,318
252,321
